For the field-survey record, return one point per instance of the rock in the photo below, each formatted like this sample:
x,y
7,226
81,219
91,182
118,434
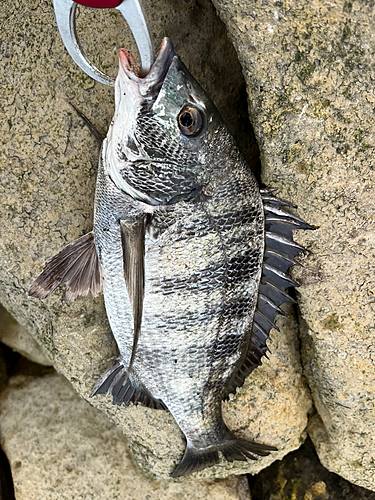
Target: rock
x,y
3,370
47,201
18,338
300,476
309,74
59,447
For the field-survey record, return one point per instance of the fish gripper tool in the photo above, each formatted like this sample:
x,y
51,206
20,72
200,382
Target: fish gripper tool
x,y
132,12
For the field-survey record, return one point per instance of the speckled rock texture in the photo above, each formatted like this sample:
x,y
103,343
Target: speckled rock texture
x,y
68,450
19,339
309,68
47,177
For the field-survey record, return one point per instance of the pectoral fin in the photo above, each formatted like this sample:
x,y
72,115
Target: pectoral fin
x,y
133,244
77,265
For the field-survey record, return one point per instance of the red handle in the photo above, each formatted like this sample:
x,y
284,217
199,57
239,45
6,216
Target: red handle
x,y
100,4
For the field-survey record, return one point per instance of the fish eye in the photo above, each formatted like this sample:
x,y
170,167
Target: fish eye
x,y
190,121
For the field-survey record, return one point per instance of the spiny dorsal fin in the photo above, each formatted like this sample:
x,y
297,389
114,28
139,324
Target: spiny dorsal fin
x,y
77,265
279,253
98,136
113,381
133,246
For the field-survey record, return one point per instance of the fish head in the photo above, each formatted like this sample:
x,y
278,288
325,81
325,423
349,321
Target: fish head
x,y
167,138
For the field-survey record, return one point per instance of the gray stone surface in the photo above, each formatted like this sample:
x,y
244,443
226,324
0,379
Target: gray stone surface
x,y
61,448
18,338
47,178
309,68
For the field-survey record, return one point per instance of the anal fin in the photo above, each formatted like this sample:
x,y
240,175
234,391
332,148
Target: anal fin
x,y
77,265
124,390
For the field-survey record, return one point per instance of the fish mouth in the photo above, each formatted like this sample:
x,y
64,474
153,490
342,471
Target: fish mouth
x,y
149,84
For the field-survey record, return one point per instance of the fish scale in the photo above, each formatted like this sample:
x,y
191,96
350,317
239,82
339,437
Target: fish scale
x,y
216,351
190,255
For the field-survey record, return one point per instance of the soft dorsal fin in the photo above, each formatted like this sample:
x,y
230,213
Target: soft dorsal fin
x,y
77,265
279,253
133,245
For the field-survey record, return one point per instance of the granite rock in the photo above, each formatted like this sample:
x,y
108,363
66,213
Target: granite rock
x,y
47,178
59,447
309,69
18,338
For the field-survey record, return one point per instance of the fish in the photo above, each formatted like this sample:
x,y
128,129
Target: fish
x,y
191,256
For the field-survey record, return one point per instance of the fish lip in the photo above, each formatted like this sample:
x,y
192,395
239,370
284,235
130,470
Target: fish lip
x,y
128,65
150,84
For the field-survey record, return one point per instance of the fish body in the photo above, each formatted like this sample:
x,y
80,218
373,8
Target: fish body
x,y
179,248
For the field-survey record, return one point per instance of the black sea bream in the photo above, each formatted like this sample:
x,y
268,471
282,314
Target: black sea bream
x,y
190,255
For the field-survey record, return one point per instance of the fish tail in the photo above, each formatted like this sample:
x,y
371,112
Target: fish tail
x,y
232,447
196,459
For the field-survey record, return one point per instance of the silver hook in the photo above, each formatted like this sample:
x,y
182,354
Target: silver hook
x,y
131,10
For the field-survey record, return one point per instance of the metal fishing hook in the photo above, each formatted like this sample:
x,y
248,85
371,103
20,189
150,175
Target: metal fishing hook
x,y
131,10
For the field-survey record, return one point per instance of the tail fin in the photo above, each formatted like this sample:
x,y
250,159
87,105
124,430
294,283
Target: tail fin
x,y
196,459
232,448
